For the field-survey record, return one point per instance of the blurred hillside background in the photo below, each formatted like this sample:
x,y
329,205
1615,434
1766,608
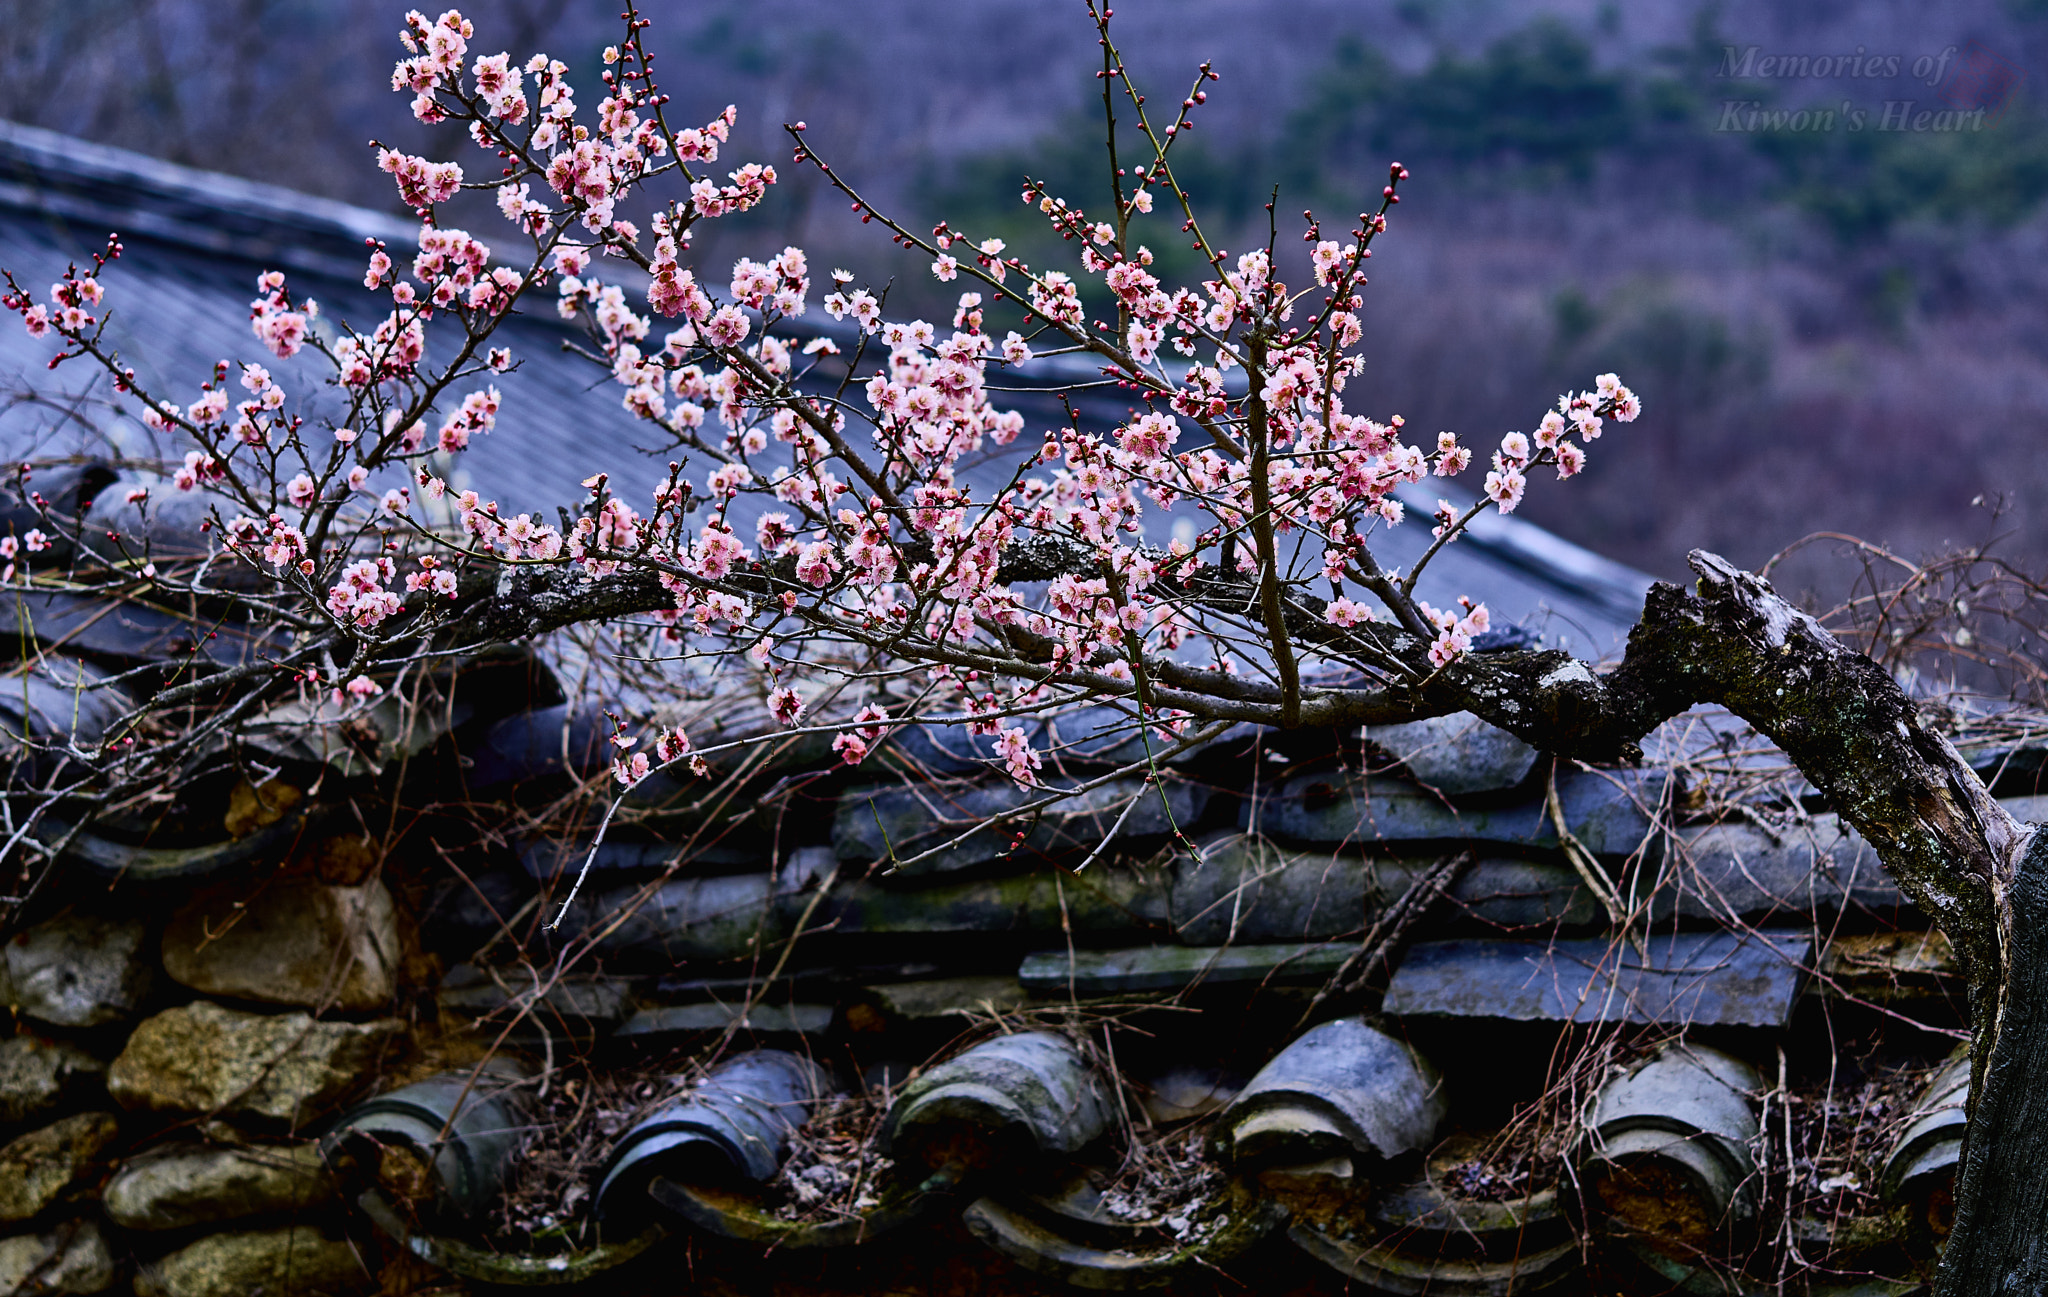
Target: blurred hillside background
x,y
1833,329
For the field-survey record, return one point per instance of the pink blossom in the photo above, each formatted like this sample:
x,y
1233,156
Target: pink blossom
x,y
907,550
1346,613
816,563
284,546
284,332
715,551
631,770
1013,747
671,745
865,309
871,730
1448,646
727,328
786,705
421,183
1504,487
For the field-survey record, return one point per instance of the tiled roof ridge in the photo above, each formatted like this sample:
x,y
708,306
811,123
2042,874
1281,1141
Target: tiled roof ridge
x,y
96,188
75,180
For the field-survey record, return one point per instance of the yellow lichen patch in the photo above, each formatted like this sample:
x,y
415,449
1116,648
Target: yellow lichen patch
x,y
251,808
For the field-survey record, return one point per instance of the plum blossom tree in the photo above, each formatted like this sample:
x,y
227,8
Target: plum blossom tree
x,y
831,513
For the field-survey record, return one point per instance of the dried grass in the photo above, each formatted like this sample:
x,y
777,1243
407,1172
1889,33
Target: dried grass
x,y
1167,1178
1841,1136
836,1169
1521,1160
547,1196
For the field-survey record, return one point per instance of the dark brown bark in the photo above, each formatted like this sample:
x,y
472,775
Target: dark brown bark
x,y
2000,1241
1979,874
1848,726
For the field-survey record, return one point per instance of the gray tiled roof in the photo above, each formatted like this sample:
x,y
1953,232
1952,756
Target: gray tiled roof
x,y
992,966
196,241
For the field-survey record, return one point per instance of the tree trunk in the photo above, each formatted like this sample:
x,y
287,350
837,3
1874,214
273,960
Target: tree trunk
x,y
1979,874
2000,1241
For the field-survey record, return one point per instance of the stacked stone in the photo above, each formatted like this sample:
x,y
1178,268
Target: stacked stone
x,y
162,1081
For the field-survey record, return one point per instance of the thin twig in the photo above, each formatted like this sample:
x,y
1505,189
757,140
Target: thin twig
x,y
1589,870
1382,941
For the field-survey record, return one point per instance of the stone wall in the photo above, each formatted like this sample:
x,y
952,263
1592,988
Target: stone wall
x,y
203,1010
